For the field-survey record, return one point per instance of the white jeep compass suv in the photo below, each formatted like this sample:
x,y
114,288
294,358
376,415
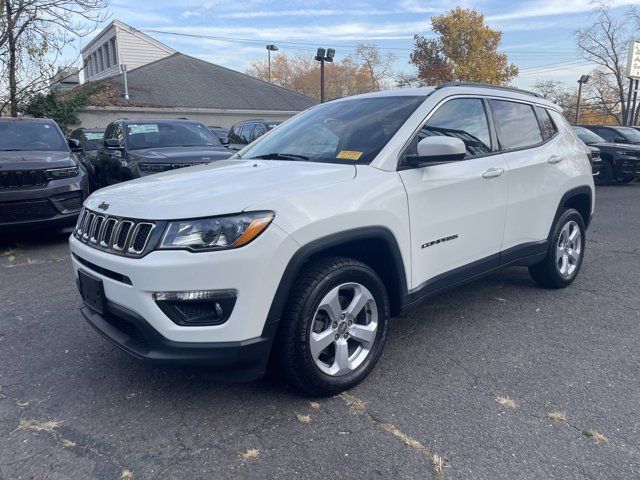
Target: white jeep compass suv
x,y
301,246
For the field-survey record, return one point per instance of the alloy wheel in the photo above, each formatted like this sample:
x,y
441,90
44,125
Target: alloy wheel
x,y
344,329
569,249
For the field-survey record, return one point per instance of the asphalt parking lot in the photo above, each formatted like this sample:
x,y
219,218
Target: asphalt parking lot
x,y
73,406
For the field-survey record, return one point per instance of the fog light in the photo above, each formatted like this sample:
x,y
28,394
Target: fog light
x,y
197,307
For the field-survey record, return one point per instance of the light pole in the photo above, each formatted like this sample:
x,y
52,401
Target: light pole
x,y
322,56
271,48
583,79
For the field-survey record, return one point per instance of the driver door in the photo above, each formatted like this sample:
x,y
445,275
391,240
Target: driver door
x,y
457,209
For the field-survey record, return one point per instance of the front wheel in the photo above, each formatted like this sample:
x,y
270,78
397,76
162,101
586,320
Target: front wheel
x,y
564,257
334,326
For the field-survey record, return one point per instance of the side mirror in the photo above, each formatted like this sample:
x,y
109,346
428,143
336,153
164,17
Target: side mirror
x,y
74,145
225,142
112,144
438,149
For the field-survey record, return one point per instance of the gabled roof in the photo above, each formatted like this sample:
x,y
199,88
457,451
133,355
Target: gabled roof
x,y
183,81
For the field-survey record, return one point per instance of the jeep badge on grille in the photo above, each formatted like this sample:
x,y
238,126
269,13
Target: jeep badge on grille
x,y
103,206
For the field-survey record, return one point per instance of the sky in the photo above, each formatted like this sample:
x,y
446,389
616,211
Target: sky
x,y
538,35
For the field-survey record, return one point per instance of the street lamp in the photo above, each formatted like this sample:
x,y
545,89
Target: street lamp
x,y
271,48
322,56
583,79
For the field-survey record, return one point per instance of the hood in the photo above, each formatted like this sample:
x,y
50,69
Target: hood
x,y
227,186
180,154
617,146
33,159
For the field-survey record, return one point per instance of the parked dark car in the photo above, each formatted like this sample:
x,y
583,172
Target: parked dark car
x,y
222,134
245,132
135,148
620,161
42,184
90,142
616,134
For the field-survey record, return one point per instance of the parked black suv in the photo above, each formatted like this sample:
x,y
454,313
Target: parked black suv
x,y
135,148
42,184
620,161
245,132
616,134
90,141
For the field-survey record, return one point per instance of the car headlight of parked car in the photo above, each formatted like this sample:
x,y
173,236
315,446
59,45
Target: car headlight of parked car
x,y
65,172
216,233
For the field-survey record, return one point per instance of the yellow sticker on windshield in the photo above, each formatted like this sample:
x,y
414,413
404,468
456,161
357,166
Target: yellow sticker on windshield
x,y
349,154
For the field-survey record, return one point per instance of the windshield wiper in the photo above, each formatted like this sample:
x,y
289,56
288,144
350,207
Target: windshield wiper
x,y
281,156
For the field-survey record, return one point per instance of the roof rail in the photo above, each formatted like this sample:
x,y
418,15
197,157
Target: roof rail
x,y
487,85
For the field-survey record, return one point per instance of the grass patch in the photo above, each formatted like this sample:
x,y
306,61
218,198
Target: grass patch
x,y
591,433
352,402
38,426
303,418
250,454
557,416
126,475
506,402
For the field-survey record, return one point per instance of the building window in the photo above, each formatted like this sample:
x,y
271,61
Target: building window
x,y
114,53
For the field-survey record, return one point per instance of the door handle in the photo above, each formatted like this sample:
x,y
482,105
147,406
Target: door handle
x,y
493,173
555,159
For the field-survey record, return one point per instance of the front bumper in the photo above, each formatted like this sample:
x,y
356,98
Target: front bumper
x,y
253,271
55,205
242,360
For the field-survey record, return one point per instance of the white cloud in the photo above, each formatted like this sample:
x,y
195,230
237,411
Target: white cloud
x,y
543,8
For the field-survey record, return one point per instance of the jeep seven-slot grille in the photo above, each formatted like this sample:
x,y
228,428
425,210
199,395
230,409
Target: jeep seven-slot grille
x,y
22,178
123,236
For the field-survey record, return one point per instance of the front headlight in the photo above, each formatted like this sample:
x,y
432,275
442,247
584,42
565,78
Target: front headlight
x,y
66,172
217,233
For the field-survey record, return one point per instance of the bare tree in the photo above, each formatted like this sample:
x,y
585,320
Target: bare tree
x,y
379,66
33,34
606,43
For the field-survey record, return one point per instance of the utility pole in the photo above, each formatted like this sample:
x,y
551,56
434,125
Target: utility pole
x,y
271,48
583,79
322,56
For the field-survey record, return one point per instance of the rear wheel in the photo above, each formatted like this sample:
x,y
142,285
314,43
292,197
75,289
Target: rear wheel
x,y
334,326
564,257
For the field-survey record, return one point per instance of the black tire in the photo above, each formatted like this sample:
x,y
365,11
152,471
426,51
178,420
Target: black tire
x,y
293,356
625,179
605,175
547,273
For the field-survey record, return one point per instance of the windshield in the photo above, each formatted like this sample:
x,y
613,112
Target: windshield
x,y
24,135
93,140
587,136
342,131
631,133
167,134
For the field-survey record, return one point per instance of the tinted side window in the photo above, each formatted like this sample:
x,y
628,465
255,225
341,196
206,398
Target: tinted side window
x,y
608,134
258,130
234,134
546,124
245,134
463,118
517,124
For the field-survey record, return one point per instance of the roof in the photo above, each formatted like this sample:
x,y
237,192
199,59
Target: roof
x,y
26,119
463,88
183,81
99,38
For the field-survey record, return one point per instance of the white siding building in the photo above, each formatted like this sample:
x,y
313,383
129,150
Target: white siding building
x,y
119,44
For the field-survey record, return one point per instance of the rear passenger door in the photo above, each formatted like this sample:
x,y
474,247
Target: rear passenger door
x,y
456,209
527,137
